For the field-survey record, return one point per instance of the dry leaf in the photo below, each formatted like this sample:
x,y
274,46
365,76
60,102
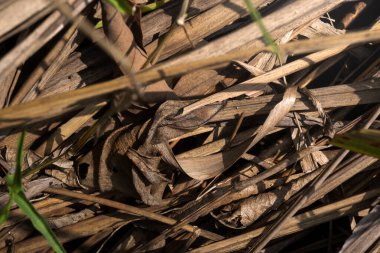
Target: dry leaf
x,y
121,36
252,208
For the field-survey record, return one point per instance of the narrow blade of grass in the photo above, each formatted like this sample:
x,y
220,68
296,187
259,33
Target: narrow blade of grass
x,y
38,221
256,16
17,195
16,185
122,6
5,211
363,141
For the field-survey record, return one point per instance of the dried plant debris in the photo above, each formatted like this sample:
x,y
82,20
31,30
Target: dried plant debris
x,y
184,126
253,208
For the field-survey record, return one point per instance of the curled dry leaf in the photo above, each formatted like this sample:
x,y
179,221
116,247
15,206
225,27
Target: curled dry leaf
x,y
135,159
205,167
122,37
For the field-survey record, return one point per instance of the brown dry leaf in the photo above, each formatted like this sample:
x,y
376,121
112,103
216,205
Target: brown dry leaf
x,y
278,112
218,198
242,166
253,208
132,239
197,85
138,154
206,167
95,169
328,125
122,37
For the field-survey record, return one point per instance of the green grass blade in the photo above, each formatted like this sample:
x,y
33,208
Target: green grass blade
x,y
17,195
364,141
256,16
5,211
153,6
16,185
14,181
122,6
38,221
127,9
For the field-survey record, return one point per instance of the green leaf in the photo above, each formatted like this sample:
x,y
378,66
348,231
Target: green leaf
x,y
363,141
38,221
256,16
99,24
122,6
153,6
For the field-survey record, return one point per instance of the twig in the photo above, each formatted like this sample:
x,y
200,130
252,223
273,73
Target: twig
x,y
132,210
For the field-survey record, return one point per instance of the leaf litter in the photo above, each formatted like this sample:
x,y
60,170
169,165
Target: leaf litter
x,y
184,126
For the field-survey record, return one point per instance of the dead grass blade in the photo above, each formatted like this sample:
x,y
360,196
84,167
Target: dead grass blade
x,y
293,15
225,194
132,210
158,22
203,25
365,233
51,106
54,60
38,38
120,35
14,14
76,231
329,97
